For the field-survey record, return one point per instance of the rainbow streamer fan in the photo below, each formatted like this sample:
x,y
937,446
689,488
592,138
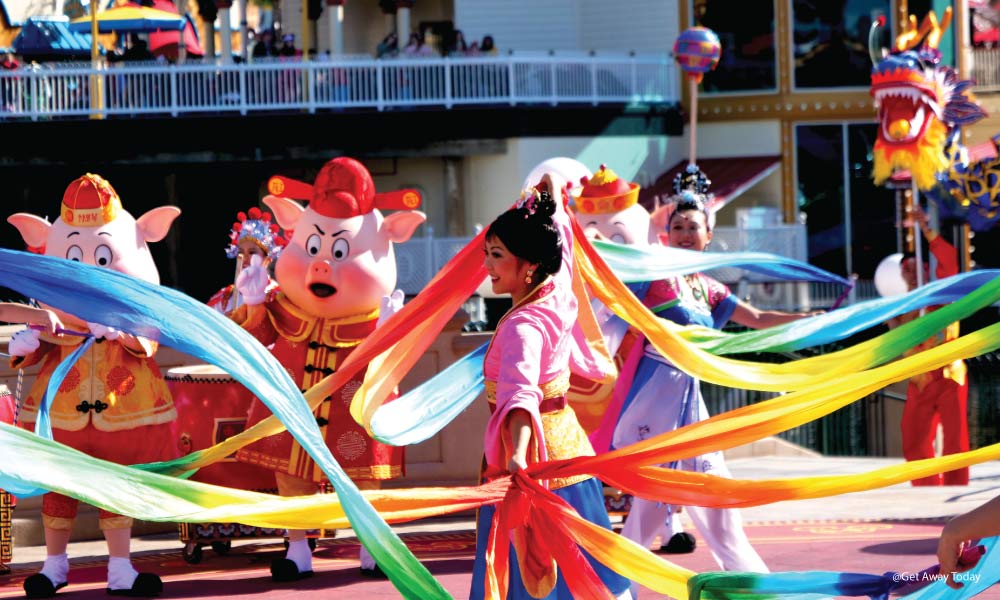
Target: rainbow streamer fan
x,y
152,311
176,320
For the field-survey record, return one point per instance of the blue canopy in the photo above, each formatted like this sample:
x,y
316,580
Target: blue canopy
x,y
50,36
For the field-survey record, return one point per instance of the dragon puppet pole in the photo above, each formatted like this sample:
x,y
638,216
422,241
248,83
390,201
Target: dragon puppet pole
x,y
916,234
918,255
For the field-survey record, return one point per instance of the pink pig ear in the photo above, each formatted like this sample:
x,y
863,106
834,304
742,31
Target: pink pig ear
x,y
34,230
155,224
287,212
400,225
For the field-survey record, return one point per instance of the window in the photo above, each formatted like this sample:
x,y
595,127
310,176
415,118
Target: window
x,y
850,221
748,61
830,41
985,24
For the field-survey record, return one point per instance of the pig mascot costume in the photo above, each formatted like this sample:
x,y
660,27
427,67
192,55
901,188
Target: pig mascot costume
x,y
113,403
336,272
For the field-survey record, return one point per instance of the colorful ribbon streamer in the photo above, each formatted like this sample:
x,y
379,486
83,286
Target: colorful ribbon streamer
x,y
171,318
165,499
635,467
633,264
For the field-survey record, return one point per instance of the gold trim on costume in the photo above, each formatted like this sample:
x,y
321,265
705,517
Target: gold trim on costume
x,y
552,389
564,438
112,523
607,204
297,325
59,523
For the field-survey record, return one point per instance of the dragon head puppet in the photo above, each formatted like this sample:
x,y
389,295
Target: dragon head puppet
x,y
921,103
922,106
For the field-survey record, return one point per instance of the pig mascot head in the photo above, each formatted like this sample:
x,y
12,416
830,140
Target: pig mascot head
x,y
569,169
608,205
339,261
93,228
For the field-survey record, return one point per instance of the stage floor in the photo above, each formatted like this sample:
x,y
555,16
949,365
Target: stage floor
x,y
868,546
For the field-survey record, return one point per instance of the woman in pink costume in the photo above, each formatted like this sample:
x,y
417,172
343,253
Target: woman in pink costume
x,y
529,256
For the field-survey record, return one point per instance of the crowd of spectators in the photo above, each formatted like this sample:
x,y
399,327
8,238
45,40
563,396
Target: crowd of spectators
x,y
136,50
264,45
462,48
418,45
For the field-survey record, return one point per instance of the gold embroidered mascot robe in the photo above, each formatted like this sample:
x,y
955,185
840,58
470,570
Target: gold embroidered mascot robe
x,y
310,348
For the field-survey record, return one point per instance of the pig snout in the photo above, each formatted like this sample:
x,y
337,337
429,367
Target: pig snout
x,y
320,279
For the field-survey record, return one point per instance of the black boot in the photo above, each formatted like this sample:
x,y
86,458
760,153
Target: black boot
x,y
285,569
680,543
375,572
146,585
40,586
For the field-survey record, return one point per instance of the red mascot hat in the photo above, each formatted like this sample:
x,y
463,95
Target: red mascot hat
x,y
90,201
343,189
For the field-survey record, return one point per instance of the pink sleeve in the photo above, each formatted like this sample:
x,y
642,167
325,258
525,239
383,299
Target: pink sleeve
x,y
717,291
520,343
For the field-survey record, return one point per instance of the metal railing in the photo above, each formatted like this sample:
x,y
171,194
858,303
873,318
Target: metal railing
x,y
986,69
54,91
857,429
420,259
787,239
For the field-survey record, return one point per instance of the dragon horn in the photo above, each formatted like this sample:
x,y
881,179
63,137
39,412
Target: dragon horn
x,y
873,39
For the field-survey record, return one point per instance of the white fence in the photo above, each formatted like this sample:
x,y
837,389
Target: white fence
x,y
790,239
986,69
40,92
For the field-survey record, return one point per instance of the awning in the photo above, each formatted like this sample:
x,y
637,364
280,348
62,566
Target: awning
x,y
983,151
166,43
730,177
50,37
130,17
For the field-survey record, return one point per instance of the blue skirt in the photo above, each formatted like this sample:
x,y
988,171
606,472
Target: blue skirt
x,y
587,497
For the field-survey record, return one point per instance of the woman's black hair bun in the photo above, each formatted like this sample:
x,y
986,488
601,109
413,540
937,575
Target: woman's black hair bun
x,y
544,206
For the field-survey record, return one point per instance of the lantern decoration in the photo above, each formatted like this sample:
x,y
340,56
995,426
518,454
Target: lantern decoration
x,y
697,51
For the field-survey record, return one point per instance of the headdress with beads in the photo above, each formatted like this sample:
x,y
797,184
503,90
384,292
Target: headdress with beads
x,y
692,184
255,225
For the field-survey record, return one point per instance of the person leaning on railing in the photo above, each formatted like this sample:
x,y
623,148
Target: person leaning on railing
x,y
486,47
417,47
9,63
388,47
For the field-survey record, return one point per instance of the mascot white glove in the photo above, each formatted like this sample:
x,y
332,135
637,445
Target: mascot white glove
x,y
103,331
23,342
390,306
252,282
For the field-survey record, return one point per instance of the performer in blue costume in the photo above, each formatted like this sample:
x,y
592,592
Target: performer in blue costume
x,y
663,398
